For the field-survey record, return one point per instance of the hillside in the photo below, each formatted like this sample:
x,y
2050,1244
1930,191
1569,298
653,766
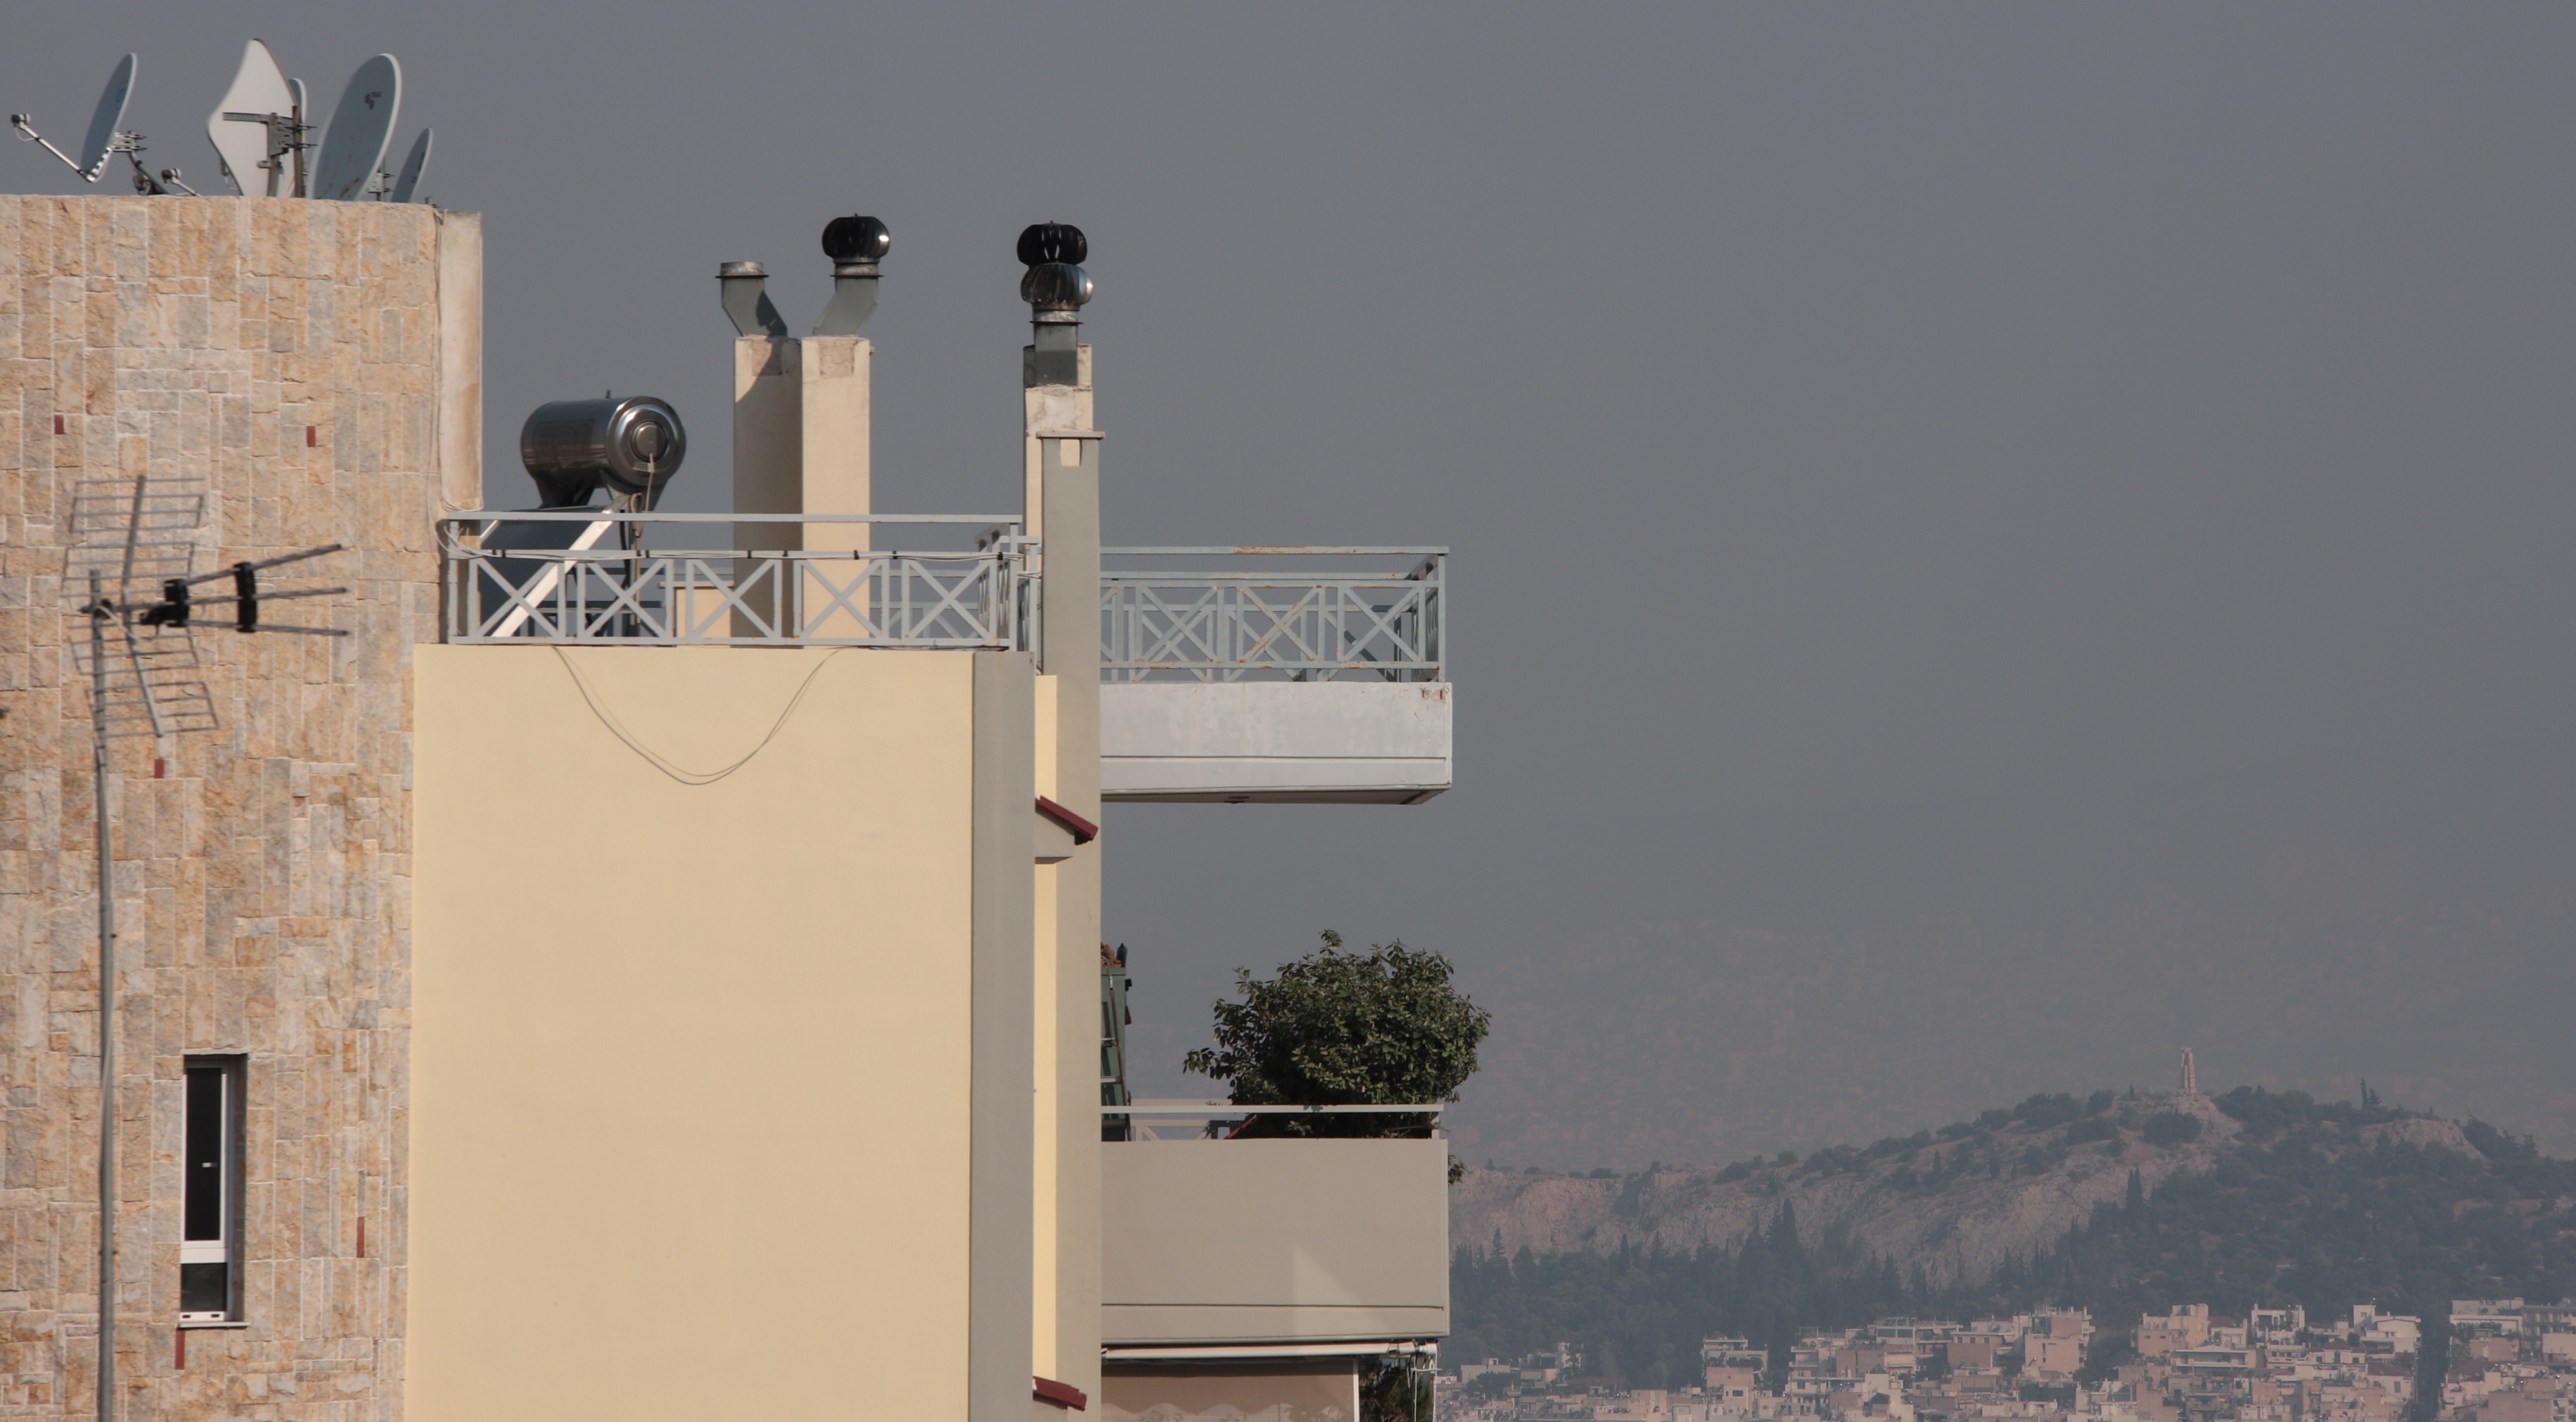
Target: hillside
x,y
2115,1204
1956,1204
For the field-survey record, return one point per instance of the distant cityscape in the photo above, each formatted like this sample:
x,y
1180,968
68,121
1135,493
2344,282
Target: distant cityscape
x,y
2504,1361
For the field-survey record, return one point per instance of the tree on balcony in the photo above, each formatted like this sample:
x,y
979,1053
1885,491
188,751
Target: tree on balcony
x,y
1384,1028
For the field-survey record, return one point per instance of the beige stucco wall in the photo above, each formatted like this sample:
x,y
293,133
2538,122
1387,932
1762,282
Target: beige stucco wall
x,y
264,885
692,1063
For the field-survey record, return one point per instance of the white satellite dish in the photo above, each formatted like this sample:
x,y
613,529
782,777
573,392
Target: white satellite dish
x,y
104,136
258,129
407,186
353,148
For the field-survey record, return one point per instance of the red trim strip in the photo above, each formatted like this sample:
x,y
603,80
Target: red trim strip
x,y
1084,831
1048,1389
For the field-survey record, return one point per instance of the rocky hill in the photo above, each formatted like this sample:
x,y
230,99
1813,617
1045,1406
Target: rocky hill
x,y
2121,1205
1957,1203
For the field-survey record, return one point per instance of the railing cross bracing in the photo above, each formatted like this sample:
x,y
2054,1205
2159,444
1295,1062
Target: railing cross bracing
x,y
1242,620
604,576
593,575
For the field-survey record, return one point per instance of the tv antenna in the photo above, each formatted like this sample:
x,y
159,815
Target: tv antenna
x,y
353,147
141,659
107,138
259,127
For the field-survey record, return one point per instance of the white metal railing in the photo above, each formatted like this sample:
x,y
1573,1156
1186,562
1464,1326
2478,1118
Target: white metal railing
x,y
594,575
1245,618
598,575
1161,1120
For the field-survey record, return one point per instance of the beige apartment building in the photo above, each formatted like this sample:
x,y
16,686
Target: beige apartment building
x,y
650,966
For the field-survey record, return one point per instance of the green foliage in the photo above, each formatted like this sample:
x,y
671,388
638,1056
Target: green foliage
x,y
1394,1392
2266,1114
2093,1128
2432,1367
2109,1349
2043,1111
2499,1145
2310,1214
2171,1128
1386,1027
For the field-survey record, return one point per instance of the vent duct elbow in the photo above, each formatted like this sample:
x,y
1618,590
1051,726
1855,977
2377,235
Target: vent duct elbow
x,y
746,303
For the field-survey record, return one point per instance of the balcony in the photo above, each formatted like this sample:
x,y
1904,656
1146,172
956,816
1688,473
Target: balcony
x,y
1229,677
1211,1246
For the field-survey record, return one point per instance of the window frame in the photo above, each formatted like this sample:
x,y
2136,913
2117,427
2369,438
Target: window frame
x,y
232,1070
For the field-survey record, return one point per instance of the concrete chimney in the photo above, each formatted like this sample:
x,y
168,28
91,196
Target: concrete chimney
x,y
801,408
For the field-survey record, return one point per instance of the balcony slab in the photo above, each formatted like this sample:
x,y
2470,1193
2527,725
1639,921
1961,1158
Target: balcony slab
x,y
1276,742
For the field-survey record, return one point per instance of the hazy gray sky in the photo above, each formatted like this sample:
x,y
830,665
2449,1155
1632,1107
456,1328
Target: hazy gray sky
x,y
1992,542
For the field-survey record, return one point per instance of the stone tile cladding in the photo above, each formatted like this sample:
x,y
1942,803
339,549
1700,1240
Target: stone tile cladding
x,y
263,887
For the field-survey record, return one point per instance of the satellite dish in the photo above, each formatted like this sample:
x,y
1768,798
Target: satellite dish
x,y
354,146
257,112
104,137
104,123
407,187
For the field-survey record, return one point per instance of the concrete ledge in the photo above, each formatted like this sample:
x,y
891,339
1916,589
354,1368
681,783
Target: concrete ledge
x,y
1327,742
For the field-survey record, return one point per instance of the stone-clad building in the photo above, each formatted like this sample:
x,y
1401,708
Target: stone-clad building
x,y
295,355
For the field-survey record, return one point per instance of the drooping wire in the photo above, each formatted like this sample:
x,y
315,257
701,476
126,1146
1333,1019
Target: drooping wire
x,y
663,764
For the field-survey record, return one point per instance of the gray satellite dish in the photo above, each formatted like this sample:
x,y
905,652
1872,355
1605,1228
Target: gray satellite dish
x,y
407,187
354,146
104,123
256,128
104,138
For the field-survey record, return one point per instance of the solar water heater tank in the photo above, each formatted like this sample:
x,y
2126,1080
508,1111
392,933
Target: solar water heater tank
x,y
631,446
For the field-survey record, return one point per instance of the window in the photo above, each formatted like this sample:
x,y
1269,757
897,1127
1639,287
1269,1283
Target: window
x,y
210,1237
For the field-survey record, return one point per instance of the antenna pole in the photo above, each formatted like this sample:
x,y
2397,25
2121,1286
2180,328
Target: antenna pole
x,y
98,615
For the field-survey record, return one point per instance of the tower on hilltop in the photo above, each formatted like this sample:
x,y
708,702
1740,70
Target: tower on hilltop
x,y
2190,1079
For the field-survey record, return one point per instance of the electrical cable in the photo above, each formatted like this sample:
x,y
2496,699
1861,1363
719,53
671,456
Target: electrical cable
x,y
654,758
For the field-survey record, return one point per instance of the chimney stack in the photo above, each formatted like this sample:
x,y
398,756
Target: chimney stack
x,y
801,408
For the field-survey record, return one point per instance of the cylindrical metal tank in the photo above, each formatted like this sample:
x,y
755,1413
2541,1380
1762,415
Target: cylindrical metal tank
x,y
633,446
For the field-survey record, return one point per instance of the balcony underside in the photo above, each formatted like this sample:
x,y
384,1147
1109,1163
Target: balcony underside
x,y
1275,742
